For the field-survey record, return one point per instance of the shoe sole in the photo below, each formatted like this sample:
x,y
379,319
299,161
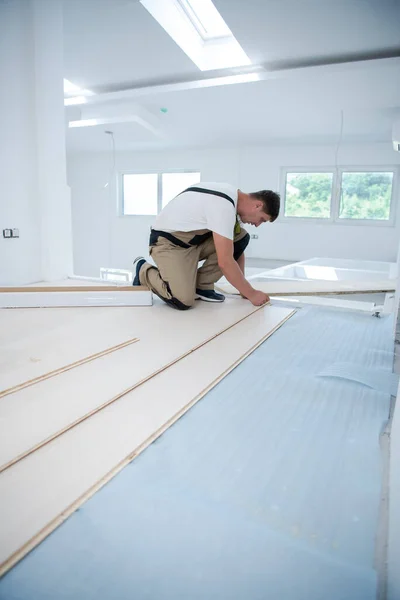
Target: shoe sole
x,y
207,299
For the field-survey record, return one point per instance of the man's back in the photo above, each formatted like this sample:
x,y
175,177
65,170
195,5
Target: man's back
x,y
209,206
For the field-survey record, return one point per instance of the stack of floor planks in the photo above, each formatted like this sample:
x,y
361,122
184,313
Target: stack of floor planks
x,y
83,391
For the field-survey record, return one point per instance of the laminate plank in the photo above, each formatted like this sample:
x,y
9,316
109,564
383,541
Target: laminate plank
x,y
41,491
65,368
36,414
36,342
315,288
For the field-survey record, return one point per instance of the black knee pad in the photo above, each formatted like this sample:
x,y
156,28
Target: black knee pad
x,y
240,246
174,302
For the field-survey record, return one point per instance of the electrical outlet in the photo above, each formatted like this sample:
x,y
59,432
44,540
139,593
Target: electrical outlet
x,y
15,233
254,236
7,233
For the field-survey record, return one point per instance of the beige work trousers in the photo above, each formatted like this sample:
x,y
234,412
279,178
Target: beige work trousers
x,y
177,276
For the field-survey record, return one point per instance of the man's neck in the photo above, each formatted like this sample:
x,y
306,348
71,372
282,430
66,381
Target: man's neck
x,y
240,202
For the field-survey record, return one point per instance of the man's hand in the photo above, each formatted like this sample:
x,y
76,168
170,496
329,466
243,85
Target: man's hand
x,y
258,298
231,270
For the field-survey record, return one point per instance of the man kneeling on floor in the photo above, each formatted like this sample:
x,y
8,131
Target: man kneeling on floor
x,y
203,223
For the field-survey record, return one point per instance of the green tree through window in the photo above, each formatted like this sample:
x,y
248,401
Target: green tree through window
x,y
308,195
365,195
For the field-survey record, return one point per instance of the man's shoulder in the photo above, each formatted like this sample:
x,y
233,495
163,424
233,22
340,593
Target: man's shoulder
x,y
216,185
226,189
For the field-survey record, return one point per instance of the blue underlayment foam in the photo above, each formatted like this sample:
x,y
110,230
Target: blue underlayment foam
x,y
376,379
268,489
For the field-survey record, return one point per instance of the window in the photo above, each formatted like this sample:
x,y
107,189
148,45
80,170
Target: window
x,y
308,195
339,195
365,195
140,194
149,193
199,30
205,18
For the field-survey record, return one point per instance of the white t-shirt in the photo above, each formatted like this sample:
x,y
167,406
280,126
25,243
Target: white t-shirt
x,y
213,209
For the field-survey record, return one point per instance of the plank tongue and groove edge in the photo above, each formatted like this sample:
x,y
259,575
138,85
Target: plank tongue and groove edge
x,y
41,491
35,416
34,343
65,368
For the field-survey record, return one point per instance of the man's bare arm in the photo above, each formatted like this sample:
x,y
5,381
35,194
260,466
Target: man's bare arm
x,y
241,262
233,273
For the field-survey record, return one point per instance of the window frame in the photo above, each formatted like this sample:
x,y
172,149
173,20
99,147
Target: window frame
x,y
198,24
121,201
319,220
336,193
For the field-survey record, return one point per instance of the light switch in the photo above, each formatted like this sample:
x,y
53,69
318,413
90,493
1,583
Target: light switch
x,y
7,233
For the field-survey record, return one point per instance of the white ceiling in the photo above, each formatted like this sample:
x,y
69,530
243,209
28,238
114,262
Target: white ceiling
x,y
320,57
298,30
113,43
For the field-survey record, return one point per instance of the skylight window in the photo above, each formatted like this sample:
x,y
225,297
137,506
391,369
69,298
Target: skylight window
x,y
200,31
206,19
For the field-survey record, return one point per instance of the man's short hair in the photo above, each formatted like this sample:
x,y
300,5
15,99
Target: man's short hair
x,y
271,201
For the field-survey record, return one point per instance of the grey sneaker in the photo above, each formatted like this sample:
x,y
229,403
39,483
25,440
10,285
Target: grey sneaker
x,y
138,264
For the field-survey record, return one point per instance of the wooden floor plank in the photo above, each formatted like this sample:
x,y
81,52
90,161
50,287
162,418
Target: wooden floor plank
x,y
315,288
36,414
65,289
65,368
34,342
39,492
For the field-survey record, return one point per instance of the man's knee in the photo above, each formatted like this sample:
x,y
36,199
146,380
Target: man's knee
x,y
175,303
182,300
240,246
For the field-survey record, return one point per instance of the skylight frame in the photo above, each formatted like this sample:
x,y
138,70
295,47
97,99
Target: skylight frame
x,y
207,54
204,29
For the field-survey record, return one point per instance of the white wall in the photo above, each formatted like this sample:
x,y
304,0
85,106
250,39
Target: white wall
x,y
101,238
19,201
34,196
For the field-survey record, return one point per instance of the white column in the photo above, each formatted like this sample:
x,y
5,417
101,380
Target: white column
x,y
54,194
33,194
